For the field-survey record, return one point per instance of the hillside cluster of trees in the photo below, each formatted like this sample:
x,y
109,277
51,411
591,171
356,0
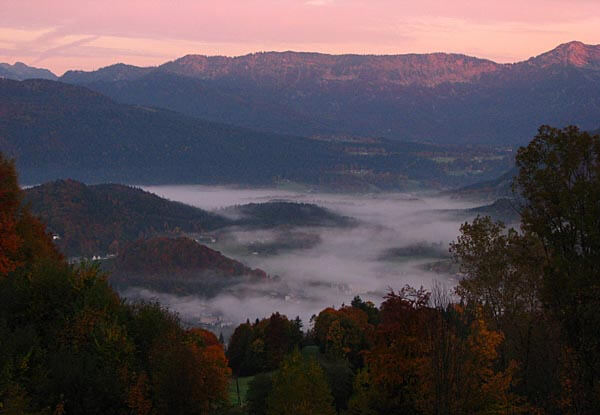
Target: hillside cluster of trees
x,y
519,334
178,265
101,219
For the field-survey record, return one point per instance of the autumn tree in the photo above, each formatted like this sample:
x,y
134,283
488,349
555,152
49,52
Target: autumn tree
x,y
432,360
460,374
391,381
343,333
9,206
501,272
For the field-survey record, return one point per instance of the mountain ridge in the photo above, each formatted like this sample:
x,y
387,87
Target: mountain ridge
x,y
432,98
19,71
573,53
56,130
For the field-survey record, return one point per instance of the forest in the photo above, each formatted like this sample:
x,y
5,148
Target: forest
x,y
518,334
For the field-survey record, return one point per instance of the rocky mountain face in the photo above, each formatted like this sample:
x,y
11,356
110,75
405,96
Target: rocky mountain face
x,y
438,98
299,68
576,54
290,68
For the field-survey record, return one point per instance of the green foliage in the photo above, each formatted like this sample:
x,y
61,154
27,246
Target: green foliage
x,y
260,347
339,375
258,391
559,178
299,388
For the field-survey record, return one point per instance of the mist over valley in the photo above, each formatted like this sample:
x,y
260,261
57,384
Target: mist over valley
x,y
392,240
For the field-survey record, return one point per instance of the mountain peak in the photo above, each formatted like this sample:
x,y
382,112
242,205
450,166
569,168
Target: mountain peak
x,y
573,53
20,71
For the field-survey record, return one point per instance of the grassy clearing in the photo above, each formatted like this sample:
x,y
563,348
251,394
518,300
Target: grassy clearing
x,y
243,382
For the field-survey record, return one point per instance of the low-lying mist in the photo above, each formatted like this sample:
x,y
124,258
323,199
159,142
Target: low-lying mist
x,y
367,259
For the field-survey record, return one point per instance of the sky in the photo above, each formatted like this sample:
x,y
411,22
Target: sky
x,y
87,34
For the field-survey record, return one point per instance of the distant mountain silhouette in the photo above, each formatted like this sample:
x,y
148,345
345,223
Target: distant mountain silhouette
x,y
19,71
490,190
441,98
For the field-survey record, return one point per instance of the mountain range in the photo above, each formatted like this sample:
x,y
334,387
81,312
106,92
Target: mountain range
x,y
434,98
56,130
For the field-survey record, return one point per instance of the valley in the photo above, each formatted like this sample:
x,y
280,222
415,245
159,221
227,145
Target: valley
x,y
299,207
226,254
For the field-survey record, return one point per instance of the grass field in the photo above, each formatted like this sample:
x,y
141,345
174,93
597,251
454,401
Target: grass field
x,y
243,382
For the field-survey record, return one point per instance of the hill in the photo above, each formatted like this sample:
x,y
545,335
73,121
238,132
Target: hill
x,y
490,190
439,98
282,213
503,209
56,130
98,219
179,265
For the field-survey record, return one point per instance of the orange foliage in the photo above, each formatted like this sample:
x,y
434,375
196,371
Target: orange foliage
x,y
202,337
9,205
343,333
138,396
188,375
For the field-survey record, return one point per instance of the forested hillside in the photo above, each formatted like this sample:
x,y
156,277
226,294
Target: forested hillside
x,y
282,213
55,131
97,219
178,265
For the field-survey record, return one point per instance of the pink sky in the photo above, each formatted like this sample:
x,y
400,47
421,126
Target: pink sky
x,y
86,34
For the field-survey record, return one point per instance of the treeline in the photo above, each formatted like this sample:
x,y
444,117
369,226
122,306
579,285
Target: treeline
x,y
519,334
70,345
281,213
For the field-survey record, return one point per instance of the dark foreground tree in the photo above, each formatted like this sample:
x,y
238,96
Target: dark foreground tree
x,y
70,345
559,181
